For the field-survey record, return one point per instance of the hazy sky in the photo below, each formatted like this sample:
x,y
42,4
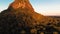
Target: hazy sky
x,y
45,7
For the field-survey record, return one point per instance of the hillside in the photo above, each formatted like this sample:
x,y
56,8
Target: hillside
x,y
20,18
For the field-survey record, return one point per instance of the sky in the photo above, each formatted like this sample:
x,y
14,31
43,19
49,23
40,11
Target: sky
x,y
45,7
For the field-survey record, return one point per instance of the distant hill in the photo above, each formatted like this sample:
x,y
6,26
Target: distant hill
x,y
55,16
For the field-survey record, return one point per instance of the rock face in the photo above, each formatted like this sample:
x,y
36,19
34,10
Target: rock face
x,y
21,4
20,18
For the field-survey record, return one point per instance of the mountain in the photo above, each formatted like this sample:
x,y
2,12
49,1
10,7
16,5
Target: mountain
x,y
20,18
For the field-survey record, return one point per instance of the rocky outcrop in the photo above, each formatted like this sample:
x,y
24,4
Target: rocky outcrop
x,y
20,18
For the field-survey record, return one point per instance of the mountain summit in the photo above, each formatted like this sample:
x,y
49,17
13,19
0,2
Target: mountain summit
x,y
21,4
20,18
24,6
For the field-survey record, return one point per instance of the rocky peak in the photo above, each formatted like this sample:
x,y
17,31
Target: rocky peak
x,y
21,4
20,17
24,7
